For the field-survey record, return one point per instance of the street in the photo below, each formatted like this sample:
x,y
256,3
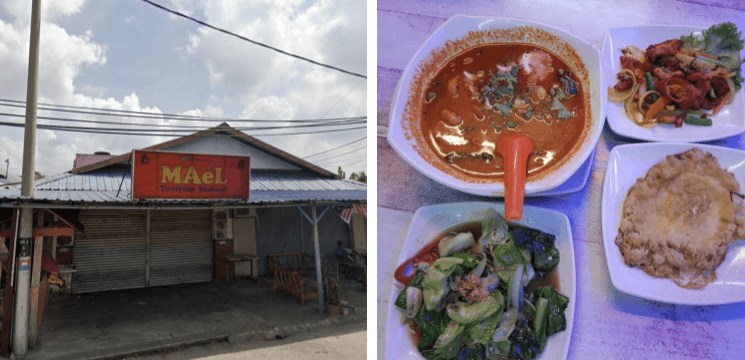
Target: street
x,y
349,346
347,341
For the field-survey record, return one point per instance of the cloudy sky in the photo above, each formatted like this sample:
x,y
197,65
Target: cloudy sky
x,y
129,55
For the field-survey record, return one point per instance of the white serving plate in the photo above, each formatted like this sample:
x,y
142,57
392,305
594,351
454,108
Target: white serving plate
x,y
630,162
429,221
457,27
728,122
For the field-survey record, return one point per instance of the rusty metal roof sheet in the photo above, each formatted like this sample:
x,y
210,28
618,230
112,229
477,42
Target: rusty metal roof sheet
x,y
101,186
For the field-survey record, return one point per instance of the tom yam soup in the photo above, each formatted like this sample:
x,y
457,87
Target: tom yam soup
x,y
490,90
469,100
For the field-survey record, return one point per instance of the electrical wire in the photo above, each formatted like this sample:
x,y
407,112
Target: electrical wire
x,y
152,115
116,132
356,161
341,155
252,41
338,147
340,100
181,129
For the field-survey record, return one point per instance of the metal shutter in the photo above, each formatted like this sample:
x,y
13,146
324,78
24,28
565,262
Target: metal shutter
x,y
180,247
111,254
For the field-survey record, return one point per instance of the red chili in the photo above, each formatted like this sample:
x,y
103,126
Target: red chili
x,y
428,254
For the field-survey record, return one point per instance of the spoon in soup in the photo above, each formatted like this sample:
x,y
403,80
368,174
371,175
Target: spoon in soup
x,y
515,150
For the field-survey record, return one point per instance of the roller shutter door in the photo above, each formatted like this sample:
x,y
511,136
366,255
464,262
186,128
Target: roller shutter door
x,y
112,253
181,247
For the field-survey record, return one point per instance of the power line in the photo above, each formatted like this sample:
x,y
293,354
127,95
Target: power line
x,y
117,132
340,100
153,115
341,155
357,160
252,41
340,146
180,128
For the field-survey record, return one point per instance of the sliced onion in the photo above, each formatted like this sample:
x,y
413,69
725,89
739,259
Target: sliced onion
x,y
634,52
630,109
480,268
615,96
516,288
641,99
731,90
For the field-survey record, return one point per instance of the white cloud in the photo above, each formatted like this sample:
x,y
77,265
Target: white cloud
x,y
258,82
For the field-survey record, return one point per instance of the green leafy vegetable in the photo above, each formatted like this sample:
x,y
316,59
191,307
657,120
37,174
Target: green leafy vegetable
x,y
508,255
494,229
557,304
416,282
464,313
432,323
722,40
541,318
525,344
541,245
546,260
470,261
481,332
451,340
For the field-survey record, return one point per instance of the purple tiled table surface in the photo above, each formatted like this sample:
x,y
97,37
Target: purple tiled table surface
x,y
608,323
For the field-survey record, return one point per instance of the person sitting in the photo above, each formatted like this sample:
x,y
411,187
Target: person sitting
x,y
348,263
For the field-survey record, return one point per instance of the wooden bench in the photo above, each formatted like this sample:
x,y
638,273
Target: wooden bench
x,y
291,273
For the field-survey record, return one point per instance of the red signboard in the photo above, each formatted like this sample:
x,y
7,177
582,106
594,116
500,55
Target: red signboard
x,y
167,175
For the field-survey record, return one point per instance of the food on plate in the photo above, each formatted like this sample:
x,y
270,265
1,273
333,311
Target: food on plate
x,y
678,220
484,290
476,89
686,80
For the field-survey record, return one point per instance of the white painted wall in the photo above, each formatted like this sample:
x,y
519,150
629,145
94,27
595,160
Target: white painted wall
x,y
225,145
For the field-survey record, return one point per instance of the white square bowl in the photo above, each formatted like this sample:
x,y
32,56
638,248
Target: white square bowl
x,y
728,122
455,28
429,221
626,164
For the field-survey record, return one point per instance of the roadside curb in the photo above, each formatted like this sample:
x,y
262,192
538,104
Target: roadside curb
x,y
285,331
120,352
153,347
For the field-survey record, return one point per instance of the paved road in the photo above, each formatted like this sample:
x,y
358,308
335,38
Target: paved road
x,y
346,341
348,346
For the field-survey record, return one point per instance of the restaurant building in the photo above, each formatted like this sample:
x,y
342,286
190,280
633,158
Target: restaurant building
x,y
116,241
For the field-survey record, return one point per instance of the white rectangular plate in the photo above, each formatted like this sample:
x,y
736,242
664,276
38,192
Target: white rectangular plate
x,y
630,162
728,122
429,221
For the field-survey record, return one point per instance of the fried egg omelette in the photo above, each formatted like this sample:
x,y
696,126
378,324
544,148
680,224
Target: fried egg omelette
x,y
679,219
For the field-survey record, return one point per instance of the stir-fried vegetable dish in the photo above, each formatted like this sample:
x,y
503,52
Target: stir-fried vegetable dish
x,y
678,81
482,292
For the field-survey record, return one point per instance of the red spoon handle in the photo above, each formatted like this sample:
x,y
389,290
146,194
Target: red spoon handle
x,y
515,150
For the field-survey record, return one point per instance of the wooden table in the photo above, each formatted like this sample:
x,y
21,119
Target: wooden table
x,y
608,323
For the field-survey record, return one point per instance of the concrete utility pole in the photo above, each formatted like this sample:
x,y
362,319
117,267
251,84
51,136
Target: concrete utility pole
x,y
23,287
319,277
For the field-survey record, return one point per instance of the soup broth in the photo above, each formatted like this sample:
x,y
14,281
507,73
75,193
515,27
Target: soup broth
x,y
495,89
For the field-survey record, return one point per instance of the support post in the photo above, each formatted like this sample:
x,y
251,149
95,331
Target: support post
x,y
20,326
147,260
5,338
319,276
35,280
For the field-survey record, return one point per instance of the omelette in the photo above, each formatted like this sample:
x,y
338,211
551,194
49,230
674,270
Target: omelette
x,y
679,219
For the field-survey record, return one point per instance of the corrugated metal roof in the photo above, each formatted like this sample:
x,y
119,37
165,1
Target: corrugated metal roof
x,y
101,186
